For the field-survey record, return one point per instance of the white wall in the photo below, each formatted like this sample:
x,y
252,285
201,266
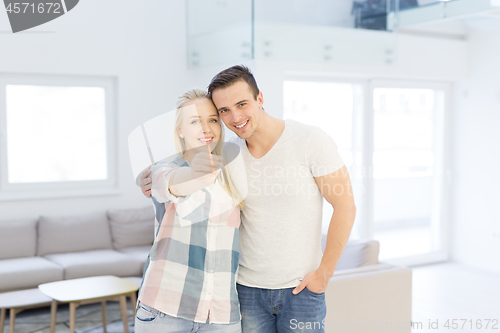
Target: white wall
x,y
424,58
142,43
476,176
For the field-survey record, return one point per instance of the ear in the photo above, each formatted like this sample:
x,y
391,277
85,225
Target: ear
x,y
260,99
179,132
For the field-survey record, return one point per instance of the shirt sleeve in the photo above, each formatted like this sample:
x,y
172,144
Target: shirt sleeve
x,y
189,209
160,179
323,157
138,179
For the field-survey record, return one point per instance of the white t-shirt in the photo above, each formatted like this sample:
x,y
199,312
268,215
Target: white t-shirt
x,y
280,232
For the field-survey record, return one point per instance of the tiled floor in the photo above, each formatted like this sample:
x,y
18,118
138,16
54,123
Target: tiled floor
x,y
88,319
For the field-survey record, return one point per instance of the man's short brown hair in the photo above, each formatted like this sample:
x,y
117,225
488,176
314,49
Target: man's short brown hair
x,y
230,76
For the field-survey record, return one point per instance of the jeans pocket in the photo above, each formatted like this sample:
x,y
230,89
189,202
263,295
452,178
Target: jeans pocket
x,y
314,293
146,313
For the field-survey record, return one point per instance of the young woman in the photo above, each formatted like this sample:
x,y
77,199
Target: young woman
x,y
189,282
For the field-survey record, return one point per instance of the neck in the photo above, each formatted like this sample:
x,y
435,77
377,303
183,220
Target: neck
x,y
266,135
188,155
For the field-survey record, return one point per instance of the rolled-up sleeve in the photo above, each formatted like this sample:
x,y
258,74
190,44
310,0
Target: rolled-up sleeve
x,y
189,209
160,179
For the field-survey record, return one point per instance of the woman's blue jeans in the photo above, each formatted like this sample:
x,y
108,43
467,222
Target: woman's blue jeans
x,y
150,320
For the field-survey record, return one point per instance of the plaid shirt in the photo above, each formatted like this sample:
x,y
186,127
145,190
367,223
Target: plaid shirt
x,y
192,267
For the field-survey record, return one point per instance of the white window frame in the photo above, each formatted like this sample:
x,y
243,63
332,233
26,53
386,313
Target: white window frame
x,y
444,194
365,216
442,169
30,191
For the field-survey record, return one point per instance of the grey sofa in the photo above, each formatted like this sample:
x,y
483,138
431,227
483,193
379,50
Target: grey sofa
x,y
46,249
362,296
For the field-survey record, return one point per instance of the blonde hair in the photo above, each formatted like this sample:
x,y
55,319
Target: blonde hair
x,y
223,177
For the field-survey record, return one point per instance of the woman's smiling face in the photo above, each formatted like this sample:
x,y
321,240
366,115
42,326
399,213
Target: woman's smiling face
x,y
200,125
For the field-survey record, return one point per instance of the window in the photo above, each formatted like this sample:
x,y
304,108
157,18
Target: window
x,y
391,135
58,136
335,107
408,164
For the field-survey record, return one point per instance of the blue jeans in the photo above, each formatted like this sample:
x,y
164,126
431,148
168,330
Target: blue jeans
x,y
150,320
278,310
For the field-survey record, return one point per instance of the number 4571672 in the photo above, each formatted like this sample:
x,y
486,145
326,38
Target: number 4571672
x,y
17,7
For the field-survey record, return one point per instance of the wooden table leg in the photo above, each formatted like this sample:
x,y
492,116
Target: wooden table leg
x,y
123,310
103,310
133,301
72,311
13,313
2,319
53,316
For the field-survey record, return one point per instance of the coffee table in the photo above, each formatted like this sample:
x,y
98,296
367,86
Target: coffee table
x,y
20,300
89,290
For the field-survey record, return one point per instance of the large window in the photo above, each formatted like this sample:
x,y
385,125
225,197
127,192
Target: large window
x,y
58,136
335,107
391,136
408,167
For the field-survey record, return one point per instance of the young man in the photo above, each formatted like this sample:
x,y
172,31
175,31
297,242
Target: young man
x,y
289,167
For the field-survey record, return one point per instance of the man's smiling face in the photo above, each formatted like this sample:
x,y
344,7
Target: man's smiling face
x,y
238,108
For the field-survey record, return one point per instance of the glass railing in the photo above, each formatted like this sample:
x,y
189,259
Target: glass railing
x,y
340,31
219,31
429,11
235,31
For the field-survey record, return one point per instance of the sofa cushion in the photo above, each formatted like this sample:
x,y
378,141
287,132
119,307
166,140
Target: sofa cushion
x,y
17,238
132,227
96,262
73,233
138,252
29,272
357,253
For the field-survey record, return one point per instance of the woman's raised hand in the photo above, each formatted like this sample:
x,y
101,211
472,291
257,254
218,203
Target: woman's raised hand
x,y
205,167
205,164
